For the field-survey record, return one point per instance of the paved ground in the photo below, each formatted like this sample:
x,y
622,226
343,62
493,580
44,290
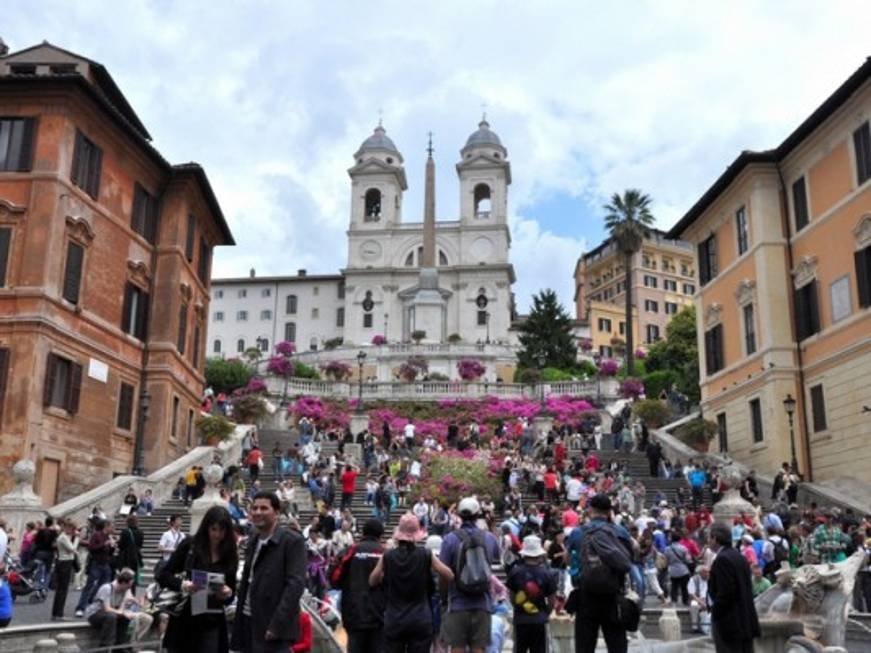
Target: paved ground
x,y
25,613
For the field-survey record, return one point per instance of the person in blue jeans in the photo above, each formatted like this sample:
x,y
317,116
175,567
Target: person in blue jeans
x,y
99,570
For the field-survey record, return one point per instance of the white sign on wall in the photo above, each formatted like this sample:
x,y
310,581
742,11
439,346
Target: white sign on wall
x,y
841,304
98,370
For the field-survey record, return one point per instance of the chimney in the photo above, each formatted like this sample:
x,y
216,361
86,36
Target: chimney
x,y
301,273
252,273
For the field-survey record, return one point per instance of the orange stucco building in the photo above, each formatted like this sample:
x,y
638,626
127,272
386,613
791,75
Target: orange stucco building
x,y
105,259
784,248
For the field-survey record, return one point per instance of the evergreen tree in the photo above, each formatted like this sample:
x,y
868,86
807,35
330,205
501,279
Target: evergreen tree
x,y
546,336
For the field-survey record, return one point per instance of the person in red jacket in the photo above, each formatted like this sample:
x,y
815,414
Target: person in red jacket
x,y
349,484
304,645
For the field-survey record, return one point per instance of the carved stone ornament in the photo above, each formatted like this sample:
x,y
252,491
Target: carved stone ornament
x,y
501,284
200,311
746,292
805,271
186,292
138,272
389,288
712,314
10,211
862,232
80,230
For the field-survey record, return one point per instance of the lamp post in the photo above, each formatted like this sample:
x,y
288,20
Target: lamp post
x,y
144,401
541,359
597,358
789,405
487,320
361,356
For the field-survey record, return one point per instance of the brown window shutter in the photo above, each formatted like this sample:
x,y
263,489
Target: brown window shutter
x,y
75,389
76,172
73,272
96,164
126,326
142,317
5,246
152,216
182,328
125,406
50,376
863,274
4,375
25,158
189,243
195,354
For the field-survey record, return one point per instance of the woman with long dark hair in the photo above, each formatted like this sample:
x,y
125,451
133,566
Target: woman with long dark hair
x,y
212,549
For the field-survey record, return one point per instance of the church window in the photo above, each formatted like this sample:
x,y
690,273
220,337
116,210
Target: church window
x,y
409,260
373,205
367,320
368,305
389,159
482,201
482,318
443,259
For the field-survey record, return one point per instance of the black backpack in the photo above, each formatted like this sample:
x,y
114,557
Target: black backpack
x,y
472,573
604,562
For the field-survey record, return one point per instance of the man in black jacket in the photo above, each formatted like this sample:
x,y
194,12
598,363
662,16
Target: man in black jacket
x,y
733,614
362,605
267,614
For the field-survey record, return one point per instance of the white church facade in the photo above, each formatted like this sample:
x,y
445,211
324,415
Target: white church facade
x,y
444,284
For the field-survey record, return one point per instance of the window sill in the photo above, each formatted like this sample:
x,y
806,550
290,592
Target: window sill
x,y
121,433
57,411
822,436
759,446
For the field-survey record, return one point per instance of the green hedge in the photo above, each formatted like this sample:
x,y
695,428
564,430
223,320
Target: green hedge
x,y
656,382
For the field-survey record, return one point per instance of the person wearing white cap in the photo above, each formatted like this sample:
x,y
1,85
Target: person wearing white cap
x,y
533,586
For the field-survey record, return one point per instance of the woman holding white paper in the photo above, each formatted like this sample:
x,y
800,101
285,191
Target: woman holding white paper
x,y
211,551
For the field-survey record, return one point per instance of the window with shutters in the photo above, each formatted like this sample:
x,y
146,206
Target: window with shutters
x,y
290,305
714,349
604,325
4,378
190,238
862,146
621,327
134,315
722,433
749,330
651,306
182,328
756,420
707,259
689,289
190,428
741,230
73,272
650,281
16,144
652,333
671,308
195,351
219,316
87,164
862,259
340,316
241,316
5,249
818,408
266,315
482,318
367,320
125,407
263,343
145,212
175,406
807,311
606,351
203,267
63,383
290,332
670,284
799,204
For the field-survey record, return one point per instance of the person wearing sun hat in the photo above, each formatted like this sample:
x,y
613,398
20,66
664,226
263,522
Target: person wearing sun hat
x,y
406,573
533,587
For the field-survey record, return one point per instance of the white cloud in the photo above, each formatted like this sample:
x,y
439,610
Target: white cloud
x,y
274,98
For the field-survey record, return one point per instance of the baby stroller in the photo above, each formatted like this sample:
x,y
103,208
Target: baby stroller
x,y
24,580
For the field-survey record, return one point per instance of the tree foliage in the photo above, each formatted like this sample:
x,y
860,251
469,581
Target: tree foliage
x,y
226,375
679,353
546,336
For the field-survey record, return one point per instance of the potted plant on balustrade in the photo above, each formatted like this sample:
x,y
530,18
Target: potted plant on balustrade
x,y
336,370
417,336
412,368
697,433
470,369
379,340
214,429
586,345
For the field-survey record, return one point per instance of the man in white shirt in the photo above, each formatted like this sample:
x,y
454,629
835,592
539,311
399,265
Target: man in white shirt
x,y
409,434
574,489
698,589
421,511
170,540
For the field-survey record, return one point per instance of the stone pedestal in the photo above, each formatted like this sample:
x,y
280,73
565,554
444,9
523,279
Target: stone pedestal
x,y
211,496
66,643
22,504
732,505
428,311
354,454
358,422
669,625
562,631
541,425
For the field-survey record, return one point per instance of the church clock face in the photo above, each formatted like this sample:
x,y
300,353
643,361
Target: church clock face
x,y
370,250
482,248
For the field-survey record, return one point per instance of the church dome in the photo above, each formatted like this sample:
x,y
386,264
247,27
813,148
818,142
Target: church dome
x,y
379,140
483,136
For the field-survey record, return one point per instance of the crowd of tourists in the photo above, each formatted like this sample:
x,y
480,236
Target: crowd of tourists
x,y
573,530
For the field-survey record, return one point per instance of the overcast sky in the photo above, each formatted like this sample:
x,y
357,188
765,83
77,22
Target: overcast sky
x,y
273,98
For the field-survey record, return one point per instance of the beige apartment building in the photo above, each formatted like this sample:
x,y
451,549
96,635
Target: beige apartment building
x,y
663,280
784,247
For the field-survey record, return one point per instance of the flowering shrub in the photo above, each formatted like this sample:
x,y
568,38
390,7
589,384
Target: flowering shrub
x,y
451,475
631,388
640,354
586,344
470,369
412,368
280,366
608,367
378,340
255,385
285,348
336,370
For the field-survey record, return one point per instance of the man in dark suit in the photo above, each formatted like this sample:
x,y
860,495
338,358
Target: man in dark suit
x,y
733,614
267,615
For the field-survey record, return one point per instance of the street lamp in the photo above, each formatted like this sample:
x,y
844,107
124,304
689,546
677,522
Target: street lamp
x,y
361,356
597,358
541,359
789,405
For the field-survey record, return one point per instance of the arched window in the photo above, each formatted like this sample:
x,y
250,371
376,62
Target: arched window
x,y
264,343
216,346
290,331
240,345
291,305
409,260
373,205
482,201
443,258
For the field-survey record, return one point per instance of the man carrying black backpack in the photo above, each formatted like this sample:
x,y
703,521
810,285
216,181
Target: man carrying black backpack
x,y
469,552
600,555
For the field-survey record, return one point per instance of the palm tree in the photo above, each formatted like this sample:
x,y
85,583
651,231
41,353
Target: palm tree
x,y
629,219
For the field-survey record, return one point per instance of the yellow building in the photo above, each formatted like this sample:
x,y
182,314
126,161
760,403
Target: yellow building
x,y
663,281
784,249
